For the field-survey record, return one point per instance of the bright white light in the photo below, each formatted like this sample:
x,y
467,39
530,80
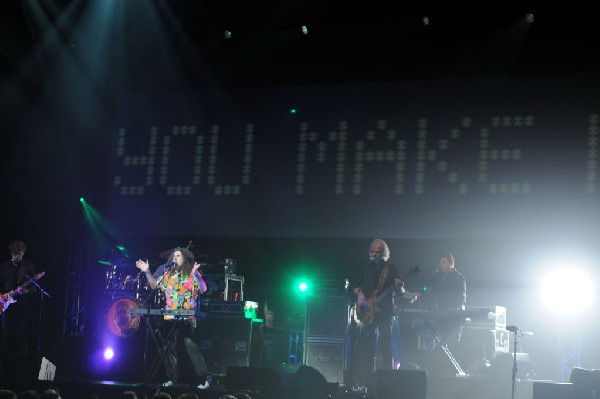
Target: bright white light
x,y
567,291
109,353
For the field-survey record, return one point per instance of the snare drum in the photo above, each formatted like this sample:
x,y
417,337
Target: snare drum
x,y
119,321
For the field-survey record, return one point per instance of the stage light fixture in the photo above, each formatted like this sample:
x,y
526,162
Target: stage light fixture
x,y
425,20
108,353
302,286
529,18
227,34
567,291
304,30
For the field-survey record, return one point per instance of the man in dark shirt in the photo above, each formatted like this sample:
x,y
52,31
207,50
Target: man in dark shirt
x,y
446,297
449,288
19,319
373,315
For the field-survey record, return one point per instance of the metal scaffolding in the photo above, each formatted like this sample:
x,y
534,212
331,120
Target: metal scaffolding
x,y
74,322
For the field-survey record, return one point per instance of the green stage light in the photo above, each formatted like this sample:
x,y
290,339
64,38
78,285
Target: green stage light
x,y
303,286
81,199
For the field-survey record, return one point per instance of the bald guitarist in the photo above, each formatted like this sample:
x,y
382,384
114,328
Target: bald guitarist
x,y
372,333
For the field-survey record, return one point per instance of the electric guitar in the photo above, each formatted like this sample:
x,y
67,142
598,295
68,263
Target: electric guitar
x,y
7,298
364,311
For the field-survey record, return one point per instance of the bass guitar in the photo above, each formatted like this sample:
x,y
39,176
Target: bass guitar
x,y
7,298
364,311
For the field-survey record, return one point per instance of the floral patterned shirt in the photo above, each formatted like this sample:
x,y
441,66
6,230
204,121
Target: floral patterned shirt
x,y
181,291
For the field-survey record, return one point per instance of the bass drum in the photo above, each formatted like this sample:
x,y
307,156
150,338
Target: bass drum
x,y
120,321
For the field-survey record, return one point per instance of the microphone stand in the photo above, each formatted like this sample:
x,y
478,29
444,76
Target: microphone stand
x,y
39,287
514,369
43,293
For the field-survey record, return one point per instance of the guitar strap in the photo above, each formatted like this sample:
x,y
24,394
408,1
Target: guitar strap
x,y
382,277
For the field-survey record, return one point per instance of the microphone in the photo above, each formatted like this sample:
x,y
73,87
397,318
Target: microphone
x,y
377,261
168,265
513,329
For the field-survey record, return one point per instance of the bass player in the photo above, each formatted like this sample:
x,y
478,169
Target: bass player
x,y
373,311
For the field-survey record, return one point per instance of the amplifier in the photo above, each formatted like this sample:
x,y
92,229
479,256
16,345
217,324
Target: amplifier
x,y
326,317
329,357
496,318
229,309
228,342
477,343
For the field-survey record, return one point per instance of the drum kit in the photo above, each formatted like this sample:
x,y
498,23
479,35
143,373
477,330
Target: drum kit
x,y
126,288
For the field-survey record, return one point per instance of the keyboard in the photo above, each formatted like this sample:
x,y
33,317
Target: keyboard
x,y
162,312
475,314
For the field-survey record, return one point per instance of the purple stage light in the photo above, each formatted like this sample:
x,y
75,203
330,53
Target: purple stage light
x,y
108,353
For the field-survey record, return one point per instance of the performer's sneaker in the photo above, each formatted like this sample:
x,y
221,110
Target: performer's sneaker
x,y
359,389
206,383
168,384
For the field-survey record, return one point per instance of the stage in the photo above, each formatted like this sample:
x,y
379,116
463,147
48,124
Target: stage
x,y
260,384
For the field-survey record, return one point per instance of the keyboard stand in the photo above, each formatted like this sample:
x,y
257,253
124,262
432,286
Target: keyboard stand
x,y
444,345
162,343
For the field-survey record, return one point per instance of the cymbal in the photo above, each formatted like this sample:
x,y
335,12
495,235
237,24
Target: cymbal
x,y
105,262
166,254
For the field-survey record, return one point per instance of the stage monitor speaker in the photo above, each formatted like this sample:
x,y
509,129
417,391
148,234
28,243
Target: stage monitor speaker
x,y
586,382
329,357
393,384
225,342
553,390
326,317
256,379
301,379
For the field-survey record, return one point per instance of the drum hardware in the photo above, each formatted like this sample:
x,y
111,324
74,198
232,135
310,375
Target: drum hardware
x,y
123,317
119,319
119,279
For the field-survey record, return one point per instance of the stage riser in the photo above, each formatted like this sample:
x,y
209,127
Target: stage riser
x,y
391,384
439,387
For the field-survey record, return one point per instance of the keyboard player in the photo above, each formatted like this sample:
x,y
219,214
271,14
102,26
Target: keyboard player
x,y
447,292
181,282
